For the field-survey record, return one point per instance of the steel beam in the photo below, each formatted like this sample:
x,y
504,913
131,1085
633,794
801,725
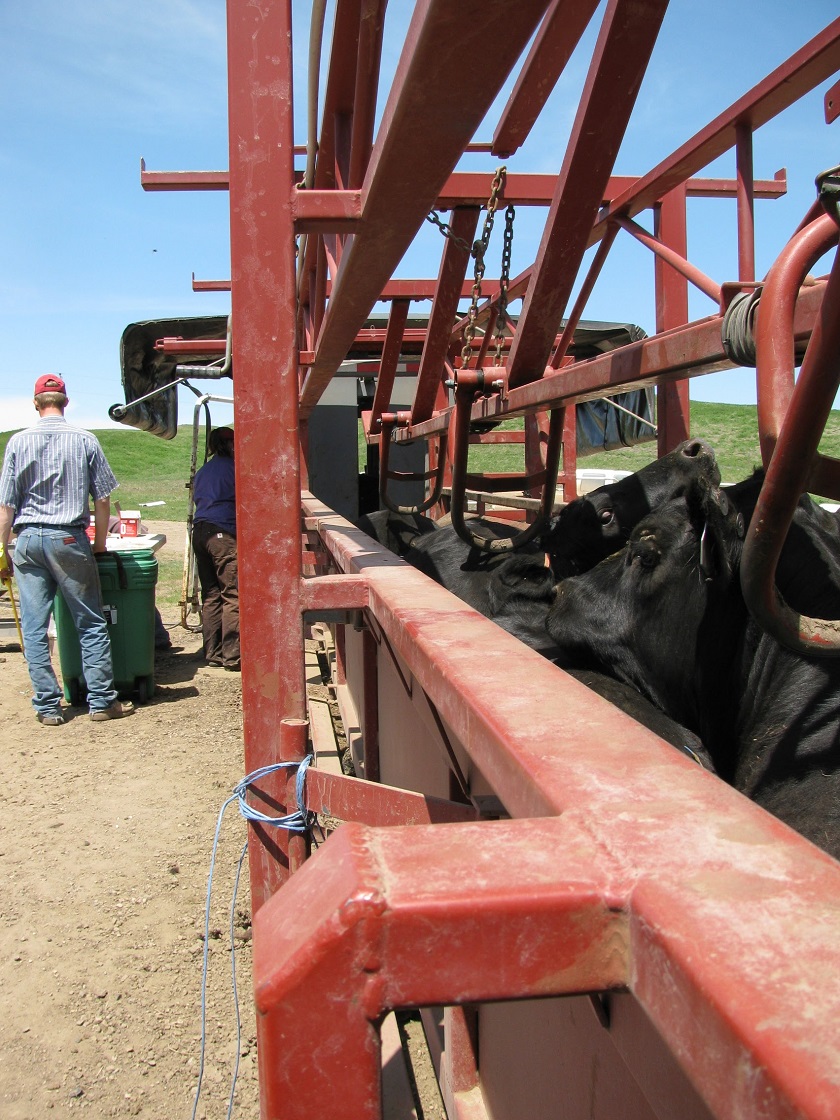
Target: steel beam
x,y
682,353
368,802
391,348
268,507
553,46
406,174
618,65
453,266
463,188
673,408
802,72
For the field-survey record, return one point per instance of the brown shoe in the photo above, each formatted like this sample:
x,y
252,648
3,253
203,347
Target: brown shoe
x,y
117,710
51,719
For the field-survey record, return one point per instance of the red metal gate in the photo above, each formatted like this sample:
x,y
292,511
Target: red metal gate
x,y
515,845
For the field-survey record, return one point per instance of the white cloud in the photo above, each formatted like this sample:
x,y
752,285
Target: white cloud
x,y
19,412
142,63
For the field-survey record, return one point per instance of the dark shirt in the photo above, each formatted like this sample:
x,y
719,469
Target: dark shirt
x,y
214,490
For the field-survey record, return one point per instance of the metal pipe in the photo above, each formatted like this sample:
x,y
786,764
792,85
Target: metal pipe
x,y
775,343
684,267
212,370
316,38
118,411
746,200
792,465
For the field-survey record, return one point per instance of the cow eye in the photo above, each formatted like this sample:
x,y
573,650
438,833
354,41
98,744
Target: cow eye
x,y
645,554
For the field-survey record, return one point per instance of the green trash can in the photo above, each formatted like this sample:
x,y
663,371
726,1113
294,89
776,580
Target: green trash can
x,y
128,596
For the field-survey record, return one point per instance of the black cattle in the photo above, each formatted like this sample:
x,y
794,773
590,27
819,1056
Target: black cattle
x,y
396,531
631,701
516,589
599,523
667,617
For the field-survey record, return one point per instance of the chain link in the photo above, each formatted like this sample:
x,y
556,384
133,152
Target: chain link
x,y
478,251
446,229
502,319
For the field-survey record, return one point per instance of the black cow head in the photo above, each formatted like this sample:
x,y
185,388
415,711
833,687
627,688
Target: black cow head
x,y
596,525
652,613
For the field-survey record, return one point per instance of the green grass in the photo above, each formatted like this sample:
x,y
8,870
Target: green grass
x,y
150,469
732,430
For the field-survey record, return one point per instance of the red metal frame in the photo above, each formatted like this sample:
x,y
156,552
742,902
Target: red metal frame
x,y
630,868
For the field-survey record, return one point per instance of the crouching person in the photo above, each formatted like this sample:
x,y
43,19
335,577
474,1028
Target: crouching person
x,y
214,545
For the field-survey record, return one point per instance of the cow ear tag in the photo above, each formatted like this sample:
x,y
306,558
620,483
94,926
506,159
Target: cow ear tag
x,y
706,553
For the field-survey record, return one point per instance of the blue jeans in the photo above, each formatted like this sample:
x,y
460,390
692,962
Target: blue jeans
x,y
45,560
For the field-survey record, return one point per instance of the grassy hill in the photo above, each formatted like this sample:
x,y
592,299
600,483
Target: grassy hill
x,y
731,429
151,469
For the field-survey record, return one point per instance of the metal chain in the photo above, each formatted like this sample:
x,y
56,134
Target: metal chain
x,y
504,279
478,250
446,229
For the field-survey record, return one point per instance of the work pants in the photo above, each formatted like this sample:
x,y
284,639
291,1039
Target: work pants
x,y
215,559
48,559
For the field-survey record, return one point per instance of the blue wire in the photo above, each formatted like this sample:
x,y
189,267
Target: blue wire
x,y
298,821
233,980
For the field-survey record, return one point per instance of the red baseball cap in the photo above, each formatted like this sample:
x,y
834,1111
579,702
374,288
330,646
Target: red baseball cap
x,y
50,383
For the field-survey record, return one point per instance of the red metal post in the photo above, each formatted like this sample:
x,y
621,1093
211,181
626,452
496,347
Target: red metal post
x,y
746,198
583,295
453,266
268,495
371,23
553,46
673,409
390,360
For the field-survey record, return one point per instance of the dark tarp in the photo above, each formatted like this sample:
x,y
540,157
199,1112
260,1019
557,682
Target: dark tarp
x,y
145,369
600,425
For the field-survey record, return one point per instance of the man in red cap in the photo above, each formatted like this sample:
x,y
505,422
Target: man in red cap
x,y
50,473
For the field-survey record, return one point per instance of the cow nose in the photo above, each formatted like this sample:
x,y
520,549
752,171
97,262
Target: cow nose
x,y
694,448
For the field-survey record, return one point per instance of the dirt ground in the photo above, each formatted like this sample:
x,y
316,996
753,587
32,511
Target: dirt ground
x,y
106,835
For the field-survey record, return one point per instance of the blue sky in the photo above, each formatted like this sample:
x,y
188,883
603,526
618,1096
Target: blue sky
x,y
90,88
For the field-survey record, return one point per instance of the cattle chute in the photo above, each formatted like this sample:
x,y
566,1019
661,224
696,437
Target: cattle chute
x,y
623,867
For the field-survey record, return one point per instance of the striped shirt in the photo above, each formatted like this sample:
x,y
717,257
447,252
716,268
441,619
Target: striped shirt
x,y
50,471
